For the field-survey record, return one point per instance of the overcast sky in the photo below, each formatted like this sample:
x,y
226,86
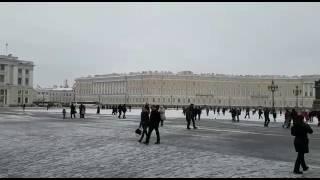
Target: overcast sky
x,y
70,40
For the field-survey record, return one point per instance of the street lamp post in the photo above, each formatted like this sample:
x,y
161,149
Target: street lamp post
x,y
296,92
273,88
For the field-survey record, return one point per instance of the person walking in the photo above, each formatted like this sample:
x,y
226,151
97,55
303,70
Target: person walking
x,y
233,114
247,113
223,111
300,130
162,114
287,118
199,111
73,111
154,124
124,110
190,116
82,110
64,113
98,109
274,114
260,113
119,110
238,113
207,109
266,117
144,122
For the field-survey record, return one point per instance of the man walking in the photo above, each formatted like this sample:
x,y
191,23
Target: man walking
x,y
72,111
124,110
190,116
260,113
119,111
154,123
266,117
247,113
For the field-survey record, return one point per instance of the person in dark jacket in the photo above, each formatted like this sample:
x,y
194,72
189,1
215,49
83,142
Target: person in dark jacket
x,y
124,110
190,116
247,113
207,109
73,111
82,110
119,110
238,113
293,116
266,117
274,114
260,113
300,129
199,111
233,114
144,122
223,111
154,124
98,109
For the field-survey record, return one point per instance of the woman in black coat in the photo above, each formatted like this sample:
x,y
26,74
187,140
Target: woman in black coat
x,y
144,123
300,129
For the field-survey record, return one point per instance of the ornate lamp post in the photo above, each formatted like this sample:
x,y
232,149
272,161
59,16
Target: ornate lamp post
x,y
297,92
273,88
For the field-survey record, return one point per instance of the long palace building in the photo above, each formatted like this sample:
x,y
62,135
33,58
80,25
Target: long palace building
x,y
186,87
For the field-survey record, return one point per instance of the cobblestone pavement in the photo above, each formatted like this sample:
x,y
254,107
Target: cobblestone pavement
x,y
41,144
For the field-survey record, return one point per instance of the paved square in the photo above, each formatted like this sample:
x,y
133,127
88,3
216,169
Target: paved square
x,y
39,143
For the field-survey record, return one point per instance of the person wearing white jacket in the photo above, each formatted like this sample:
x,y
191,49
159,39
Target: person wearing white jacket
x,y
162,114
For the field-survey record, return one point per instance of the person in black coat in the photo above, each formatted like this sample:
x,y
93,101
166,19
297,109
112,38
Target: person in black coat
x,y
190,116
300,129
119,110
199,111
144,122
72,111
154,124
124,110
266,117
98,109
260,113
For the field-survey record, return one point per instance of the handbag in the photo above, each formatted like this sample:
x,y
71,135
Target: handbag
x,y
138,131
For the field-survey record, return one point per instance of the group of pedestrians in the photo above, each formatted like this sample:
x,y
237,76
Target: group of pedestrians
x,y
73,111
121,110
150,120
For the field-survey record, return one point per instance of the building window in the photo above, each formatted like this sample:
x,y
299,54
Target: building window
x,y
19,100
305,94
26,92
26,100
27,81
20,71
19,81
2,78
2,66
27,71
311,94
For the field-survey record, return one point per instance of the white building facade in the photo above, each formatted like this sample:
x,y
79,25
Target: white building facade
x,y
185,87
60,95
16,81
